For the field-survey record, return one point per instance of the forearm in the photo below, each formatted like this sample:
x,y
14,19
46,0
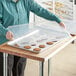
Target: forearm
x,y
3,30
48,15
40,11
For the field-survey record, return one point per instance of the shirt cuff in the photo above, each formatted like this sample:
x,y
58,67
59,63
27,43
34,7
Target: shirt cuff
x,y
5,31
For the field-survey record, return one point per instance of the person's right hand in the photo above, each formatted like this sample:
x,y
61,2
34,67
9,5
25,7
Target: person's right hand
x,y
62,25
9,35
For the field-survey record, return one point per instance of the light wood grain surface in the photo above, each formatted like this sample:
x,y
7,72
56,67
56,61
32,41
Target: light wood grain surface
x,y
43,56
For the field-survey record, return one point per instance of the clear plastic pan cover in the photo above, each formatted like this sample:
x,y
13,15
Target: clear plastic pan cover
x,y
36,38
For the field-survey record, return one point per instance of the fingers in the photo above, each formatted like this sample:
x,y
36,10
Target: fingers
x,y
62,25
9,35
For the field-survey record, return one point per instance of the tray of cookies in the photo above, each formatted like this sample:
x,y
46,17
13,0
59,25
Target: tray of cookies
x,y
38,40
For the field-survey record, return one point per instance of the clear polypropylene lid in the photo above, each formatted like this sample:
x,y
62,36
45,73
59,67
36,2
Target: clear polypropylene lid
x,y
19,30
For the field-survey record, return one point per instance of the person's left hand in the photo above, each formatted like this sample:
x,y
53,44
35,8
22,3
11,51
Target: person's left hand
x,y
9,35
62,25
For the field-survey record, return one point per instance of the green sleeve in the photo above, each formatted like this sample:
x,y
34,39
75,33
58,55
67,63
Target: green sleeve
x,y
3,30
40,11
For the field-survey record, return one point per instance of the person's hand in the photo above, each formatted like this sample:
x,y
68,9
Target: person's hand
x,y
62,25
9,35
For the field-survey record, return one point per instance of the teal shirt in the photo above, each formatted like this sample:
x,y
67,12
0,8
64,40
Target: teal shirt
x,y
14,13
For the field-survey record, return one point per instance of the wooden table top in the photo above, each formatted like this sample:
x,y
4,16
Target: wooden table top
x,y
43,56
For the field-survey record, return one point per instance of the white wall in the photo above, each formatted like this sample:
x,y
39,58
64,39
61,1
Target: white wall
x,y
74,12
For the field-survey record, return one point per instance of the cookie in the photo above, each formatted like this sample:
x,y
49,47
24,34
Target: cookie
x,y
42,46
49,43
72,34
27,47
16,45
36,49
